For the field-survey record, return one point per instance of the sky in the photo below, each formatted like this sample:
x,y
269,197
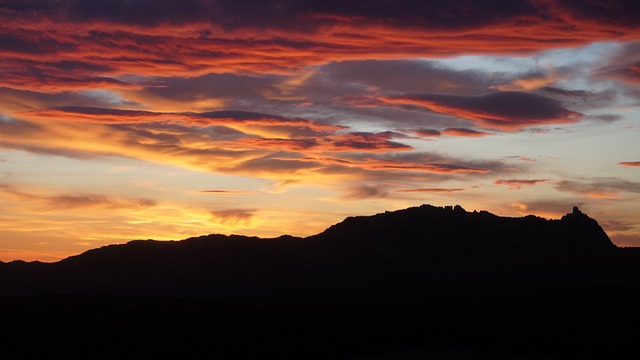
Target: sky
x,y
155,119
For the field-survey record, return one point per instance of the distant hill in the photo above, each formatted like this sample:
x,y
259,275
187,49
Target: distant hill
x,y
420,283
410,248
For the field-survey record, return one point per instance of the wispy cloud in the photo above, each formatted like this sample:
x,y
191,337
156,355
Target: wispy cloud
x,y
609,188
365,192
227,192
464,132
519,183
55,202
233,216
430,190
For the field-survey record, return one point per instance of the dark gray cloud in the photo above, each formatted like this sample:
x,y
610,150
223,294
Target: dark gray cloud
x,y
607,118
506,111
239,88
233,14
403,76
425,132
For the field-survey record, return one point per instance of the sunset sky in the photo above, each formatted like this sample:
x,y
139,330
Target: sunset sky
x,y
155,119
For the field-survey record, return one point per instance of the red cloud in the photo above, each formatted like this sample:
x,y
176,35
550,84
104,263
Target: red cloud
x,y
630,163
42,40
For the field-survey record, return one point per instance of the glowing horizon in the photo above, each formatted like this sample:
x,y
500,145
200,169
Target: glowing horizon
x,y
156,119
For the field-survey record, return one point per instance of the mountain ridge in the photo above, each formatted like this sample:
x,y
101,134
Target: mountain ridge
x,y
413,247
451,208
422,282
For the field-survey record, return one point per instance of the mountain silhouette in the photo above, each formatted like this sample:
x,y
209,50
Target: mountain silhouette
x,y
411,283
406,248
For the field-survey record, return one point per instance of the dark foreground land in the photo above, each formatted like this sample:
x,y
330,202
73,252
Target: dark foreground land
x,y
515,323
420,283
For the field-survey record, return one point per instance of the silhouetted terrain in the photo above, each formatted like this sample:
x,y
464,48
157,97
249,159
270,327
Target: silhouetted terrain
x,y
424,282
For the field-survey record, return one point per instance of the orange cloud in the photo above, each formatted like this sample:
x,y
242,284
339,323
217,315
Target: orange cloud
x,y
630,163
227,192
519,183
530,82
223,117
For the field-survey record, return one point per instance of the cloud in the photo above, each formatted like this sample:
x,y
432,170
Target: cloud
x,y
42,39
626,240
630,163
521,158
227,192
11,127
233,217
530,81
381,164
608,188
607,118
365,141
425,133
519,183
58,76
614,225
221,117
46,202
623,66
89,200
506,111
398,76
364,192
430,190
464,132
221,149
